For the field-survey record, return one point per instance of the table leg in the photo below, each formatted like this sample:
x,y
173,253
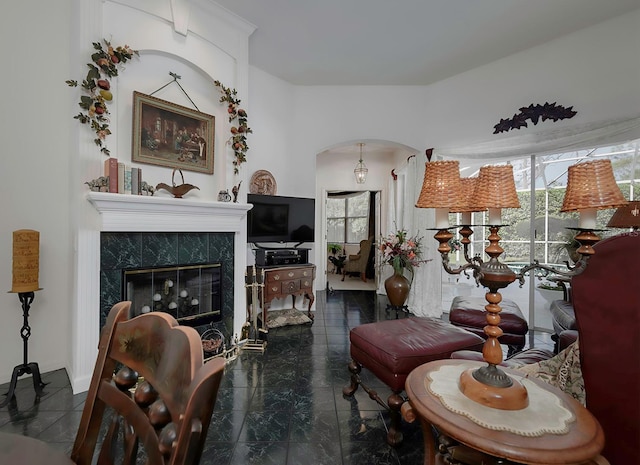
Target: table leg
x,y
429,443
311,298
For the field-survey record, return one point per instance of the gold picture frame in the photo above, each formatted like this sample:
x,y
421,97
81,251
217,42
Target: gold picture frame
x,y
167,134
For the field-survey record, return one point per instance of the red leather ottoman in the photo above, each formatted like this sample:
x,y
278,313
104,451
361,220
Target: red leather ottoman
x,y
391,349
469,313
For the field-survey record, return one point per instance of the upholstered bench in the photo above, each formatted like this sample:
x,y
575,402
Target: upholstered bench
x,y
469,313
391,349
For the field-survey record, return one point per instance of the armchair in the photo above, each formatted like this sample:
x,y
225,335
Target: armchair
x,y
357,263
607,308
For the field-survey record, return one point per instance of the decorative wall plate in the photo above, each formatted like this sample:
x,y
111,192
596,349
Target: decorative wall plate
x,y
262,182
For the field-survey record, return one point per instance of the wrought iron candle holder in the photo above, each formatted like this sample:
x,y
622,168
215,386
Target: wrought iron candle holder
x,y
26,263
26,367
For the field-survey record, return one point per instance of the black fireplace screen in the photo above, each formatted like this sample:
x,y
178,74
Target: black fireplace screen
x,y
192,294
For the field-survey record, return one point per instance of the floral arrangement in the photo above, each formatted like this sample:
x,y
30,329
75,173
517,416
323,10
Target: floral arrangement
x,y
104,64
455,245
238,139
401,251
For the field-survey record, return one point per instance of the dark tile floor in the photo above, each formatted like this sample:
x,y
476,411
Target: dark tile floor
x,y
281,407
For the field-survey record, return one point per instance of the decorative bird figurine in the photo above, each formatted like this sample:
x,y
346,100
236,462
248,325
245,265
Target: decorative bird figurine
x,y
177,191
235,190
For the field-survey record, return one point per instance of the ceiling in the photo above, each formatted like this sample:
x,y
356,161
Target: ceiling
x,y
403,42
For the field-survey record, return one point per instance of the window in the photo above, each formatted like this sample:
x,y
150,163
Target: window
x,y
348,218
538,230
549,177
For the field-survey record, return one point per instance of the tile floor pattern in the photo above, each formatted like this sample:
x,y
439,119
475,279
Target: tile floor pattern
x,y
281,407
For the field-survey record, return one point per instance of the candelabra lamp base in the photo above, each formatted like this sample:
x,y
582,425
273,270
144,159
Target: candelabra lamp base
x,y
492,387
25,368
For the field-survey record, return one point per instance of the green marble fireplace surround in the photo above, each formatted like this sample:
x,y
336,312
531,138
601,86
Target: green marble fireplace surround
x,y
120,251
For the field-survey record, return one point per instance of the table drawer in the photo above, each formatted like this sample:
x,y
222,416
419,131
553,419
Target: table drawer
x,y
288,274
290,287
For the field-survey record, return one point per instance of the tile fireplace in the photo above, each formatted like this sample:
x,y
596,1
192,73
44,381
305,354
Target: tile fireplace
x,y
119,232
166,272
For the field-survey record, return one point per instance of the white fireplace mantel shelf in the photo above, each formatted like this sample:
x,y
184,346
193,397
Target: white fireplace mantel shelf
x,y
123,212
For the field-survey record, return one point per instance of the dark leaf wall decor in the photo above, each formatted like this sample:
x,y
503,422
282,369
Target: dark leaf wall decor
x,y
535,113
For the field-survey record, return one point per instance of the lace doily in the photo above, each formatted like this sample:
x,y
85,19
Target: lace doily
x,y
545,413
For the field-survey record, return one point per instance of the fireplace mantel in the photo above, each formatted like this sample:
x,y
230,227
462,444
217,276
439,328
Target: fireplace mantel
x,y
122,212
137,213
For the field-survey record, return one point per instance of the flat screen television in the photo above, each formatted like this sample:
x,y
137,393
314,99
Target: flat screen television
x,y
281,219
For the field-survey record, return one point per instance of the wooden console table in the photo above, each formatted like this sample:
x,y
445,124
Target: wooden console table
x,y
289,280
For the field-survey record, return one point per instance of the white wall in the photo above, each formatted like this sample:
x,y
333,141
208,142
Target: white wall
x,y
47,156
34,187
594,70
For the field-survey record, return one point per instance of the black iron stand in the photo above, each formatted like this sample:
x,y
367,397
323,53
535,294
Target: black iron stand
x,y
26,368
400,308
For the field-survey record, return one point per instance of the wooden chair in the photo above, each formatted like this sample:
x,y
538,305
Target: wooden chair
x,y
357,263
151,394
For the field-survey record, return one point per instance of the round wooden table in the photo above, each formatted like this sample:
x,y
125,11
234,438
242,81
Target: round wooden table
x,y
18,449
581,443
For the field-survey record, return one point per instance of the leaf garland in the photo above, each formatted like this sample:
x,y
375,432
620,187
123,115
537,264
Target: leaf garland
x,y
238,139
548,111
105,64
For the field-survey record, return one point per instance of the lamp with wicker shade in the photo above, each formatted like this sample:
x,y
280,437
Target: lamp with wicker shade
x,y
468,206
590,186
496,190
627,216
440,190
469,202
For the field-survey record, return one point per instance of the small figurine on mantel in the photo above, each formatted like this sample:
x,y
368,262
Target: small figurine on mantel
x,y
235,191
177,190
100,184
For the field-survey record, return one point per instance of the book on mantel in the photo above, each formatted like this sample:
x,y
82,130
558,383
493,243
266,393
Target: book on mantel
x,y
111,172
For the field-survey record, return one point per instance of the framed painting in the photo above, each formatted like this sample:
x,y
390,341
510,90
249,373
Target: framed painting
x,y
167,134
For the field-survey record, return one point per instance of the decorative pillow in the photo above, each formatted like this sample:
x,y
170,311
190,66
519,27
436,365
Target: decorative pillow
x,y
289,316
563,371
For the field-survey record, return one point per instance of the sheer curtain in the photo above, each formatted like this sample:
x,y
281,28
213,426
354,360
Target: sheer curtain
x,y
578,137
425,298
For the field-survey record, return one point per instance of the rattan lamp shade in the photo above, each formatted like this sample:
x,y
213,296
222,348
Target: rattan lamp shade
x,y
627,216
496,188
441,186
467,191
591,185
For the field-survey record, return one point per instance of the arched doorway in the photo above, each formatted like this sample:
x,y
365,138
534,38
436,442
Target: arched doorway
x,y
335,174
